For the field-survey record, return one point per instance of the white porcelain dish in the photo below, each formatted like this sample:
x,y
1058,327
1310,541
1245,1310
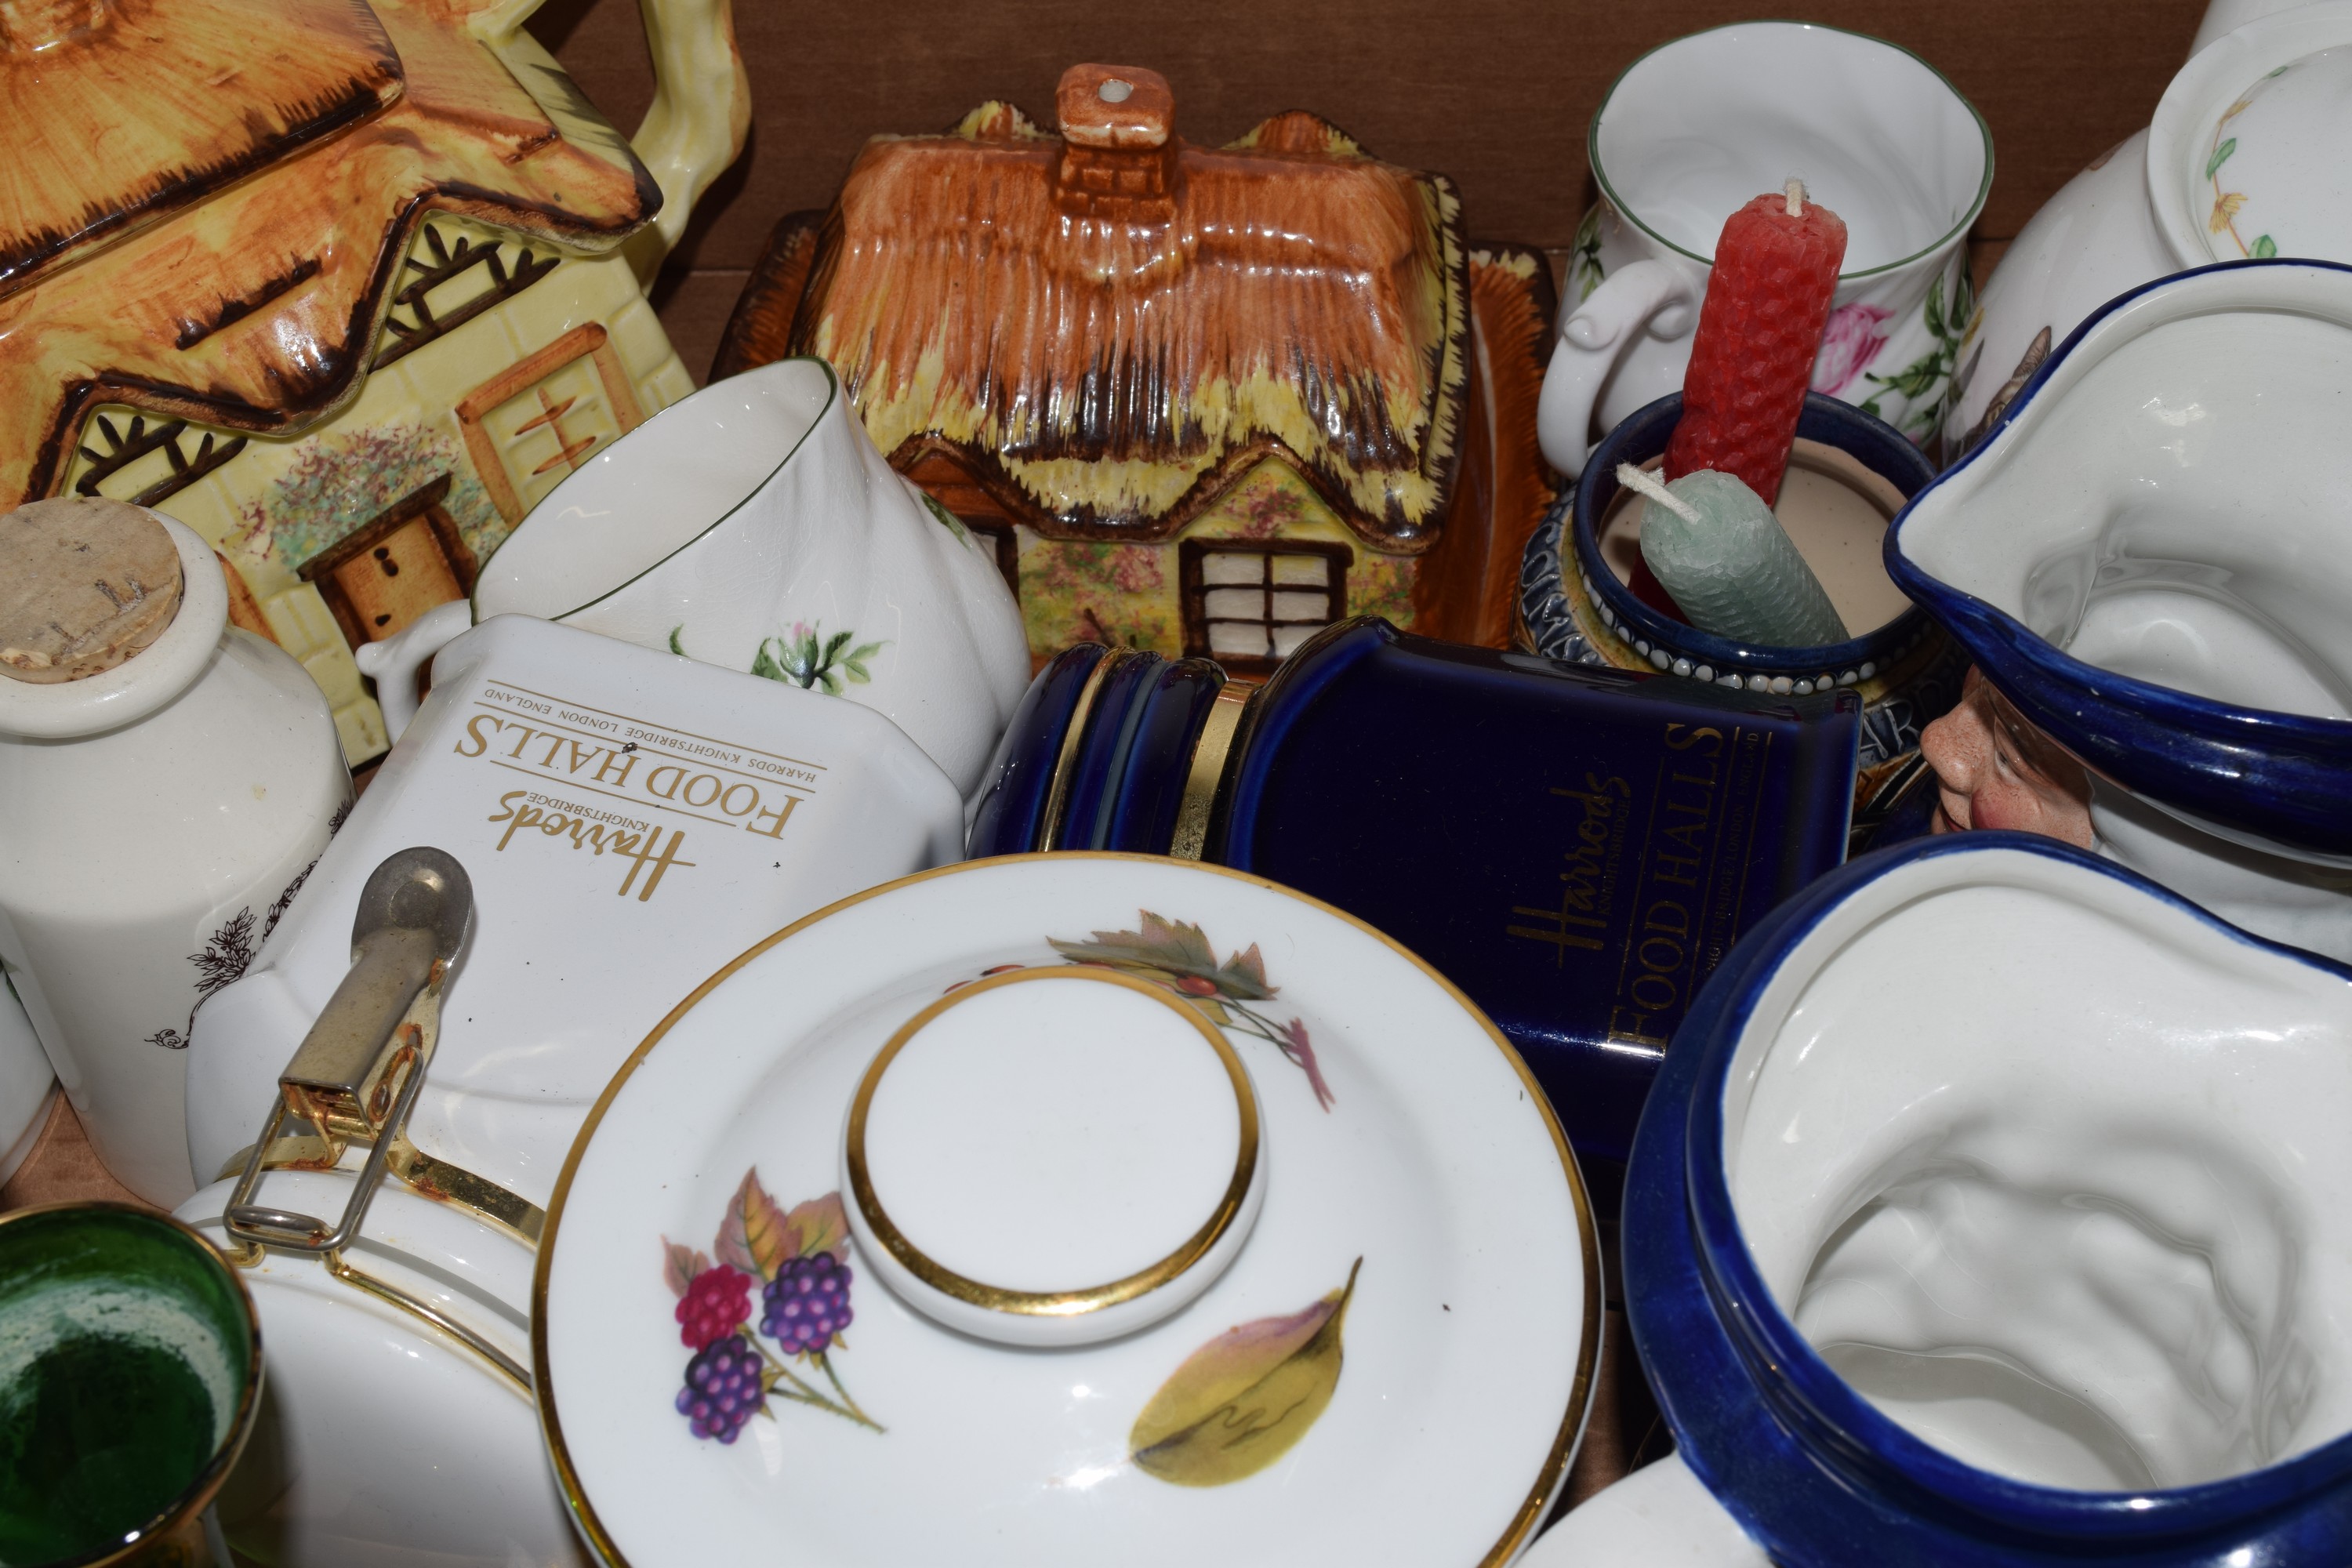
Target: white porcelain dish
x,y
1395,1368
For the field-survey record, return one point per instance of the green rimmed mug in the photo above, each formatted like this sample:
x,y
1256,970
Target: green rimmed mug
x,y
130,1375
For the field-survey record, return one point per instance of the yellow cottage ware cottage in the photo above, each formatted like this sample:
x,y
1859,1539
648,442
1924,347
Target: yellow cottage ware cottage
x,y
345,286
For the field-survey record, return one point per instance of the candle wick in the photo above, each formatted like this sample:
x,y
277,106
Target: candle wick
x,y
1633,479
1795,192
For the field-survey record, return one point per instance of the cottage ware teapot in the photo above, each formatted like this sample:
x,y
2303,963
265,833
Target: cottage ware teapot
x,y
344,287
754,526
612,818
166,779
1989,1210
1697,127
2243,159
2147,560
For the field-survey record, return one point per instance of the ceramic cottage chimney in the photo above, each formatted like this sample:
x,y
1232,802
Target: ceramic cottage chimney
x,y
1119,130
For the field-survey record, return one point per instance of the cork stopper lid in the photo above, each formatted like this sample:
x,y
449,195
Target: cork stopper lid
x,y
85,583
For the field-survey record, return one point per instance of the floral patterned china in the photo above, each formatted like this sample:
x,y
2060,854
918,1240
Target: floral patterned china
x,y
1698,126
754,526
1106,1059
2243,161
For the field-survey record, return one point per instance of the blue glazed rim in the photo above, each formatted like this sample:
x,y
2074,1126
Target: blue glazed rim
x,y
2281,776
1643,434
1017,798
1808,1467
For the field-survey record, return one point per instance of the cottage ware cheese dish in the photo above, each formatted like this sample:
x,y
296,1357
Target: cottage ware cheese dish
x,y
723,1363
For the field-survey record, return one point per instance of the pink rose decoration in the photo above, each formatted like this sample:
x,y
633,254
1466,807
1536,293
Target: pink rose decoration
x,y
1850,342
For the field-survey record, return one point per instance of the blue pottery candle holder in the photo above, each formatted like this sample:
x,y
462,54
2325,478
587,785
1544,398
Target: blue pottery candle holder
x,y
1573,605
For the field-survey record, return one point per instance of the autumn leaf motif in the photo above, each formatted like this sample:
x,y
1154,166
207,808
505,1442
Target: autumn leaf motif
x,y
1244,1399
820,1224
755,1236
680,1264
1175,951
1177,954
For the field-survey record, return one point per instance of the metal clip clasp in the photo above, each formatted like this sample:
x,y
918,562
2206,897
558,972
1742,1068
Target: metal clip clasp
x,y
356,1074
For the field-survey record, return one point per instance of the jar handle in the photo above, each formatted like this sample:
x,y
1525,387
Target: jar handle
x,y
1655,295
1661,1516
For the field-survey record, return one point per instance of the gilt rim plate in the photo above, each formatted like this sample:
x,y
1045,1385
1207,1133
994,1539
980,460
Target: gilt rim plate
x,y
1415,1316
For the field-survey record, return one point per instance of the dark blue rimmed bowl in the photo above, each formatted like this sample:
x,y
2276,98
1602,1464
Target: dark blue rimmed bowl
x,y
1573,606
2276,781
1812,1471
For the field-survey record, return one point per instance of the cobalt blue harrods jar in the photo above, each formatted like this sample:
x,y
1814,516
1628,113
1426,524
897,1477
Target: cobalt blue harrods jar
x,y
1577,849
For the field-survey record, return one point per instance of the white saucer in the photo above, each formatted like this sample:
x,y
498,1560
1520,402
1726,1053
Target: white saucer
x,y
1393,1364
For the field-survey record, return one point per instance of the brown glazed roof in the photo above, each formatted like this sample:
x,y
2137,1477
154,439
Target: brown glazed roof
x,y
255,308
132,108
1107,332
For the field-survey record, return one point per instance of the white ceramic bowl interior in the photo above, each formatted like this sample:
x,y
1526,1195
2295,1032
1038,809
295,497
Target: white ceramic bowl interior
x,y
2261,115
649,495
1700,127
2052,1172
2175,503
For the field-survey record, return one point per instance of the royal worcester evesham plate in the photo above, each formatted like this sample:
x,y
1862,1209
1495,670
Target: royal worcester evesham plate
x,y
1393,1366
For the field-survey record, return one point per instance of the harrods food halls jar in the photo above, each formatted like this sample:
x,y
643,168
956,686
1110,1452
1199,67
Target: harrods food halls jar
x,y
166,779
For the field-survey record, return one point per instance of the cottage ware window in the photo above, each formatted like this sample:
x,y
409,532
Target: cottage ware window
x,y
1249,603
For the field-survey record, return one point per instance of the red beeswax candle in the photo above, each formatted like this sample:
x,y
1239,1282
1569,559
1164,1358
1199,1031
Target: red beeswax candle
x,y
1752,357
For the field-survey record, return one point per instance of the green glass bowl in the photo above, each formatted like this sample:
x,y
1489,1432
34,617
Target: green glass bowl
x,y
130,1372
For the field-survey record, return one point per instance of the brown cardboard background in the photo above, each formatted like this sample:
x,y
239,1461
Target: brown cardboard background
x,y
1496,93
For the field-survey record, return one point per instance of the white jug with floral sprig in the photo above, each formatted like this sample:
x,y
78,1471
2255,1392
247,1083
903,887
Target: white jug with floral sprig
x,y
754,526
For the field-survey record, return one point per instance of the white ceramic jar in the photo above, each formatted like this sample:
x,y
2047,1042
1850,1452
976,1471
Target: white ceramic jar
x,y
27,1084
154,818
628,820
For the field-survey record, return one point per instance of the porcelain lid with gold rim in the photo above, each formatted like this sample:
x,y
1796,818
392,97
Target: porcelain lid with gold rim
x,y
1213,1226
1053,1156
